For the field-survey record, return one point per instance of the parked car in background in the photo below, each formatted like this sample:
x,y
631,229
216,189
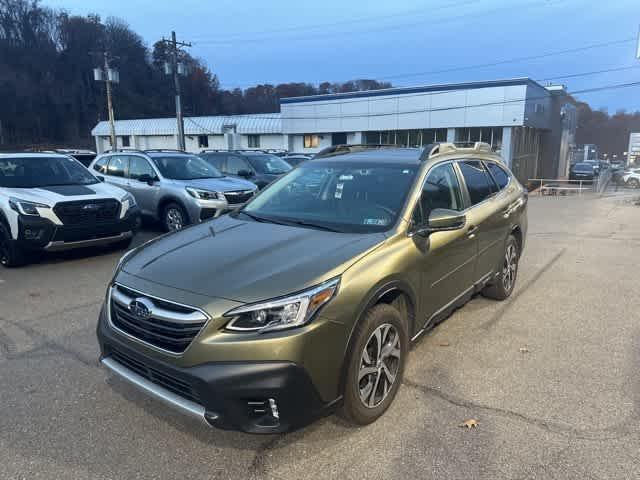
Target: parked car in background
x,y
307,300
582,171
260,168
174,187
50,202
631,177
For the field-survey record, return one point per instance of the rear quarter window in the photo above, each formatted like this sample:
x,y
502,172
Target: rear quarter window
x,y
499,174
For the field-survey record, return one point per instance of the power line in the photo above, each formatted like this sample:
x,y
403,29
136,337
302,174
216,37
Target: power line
x,y
404,13
431,22
421,94
584,74
505,61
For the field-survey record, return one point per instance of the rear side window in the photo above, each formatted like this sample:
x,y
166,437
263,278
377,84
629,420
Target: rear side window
x,y
479,184
117,166
499,174
101,165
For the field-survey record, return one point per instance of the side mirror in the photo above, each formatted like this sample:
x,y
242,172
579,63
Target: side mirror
x,y
441,220
245,173
146,178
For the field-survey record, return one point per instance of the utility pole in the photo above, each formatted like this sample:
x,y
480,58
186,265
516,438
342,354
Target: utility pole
x,y
108,75
175,67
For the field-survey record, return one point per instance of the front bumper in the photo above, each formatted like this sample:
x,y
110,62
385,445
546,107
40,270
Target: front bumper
x,y
229,395
37,233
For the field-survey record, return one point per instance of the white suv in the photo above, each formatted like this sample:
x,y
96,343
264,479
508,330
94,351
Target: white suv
x,y
51,202
631,177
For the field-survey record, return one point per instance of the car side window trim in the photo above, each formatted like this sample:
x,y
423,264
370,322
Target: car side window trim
x,y
495,181
466,188
461,187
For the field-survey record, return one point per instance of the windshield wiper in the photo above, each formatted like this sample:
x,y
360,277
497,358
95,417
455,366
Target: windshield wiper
x,y
256,217
304,223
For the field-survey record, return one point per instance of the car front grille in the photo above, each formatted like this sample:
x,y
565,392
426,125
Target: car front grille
x,y
154,375
238,197
87,212
161,324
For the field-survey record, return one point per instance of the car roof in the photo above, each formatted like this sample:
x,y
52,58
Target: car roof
x,y
380,155
32,155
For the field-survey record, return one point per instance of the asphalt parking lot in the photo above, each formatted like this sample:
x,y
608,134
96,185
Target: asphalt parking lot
x,y
551,375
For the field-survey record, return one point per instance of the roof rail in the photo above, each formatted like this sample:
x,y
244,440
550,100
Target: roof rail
x,y
174,150
335,150
440,148
125,149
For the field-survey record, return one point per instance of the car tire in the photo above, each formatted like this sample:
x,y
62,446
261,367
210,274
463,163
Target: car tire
x,y
174,217
368,395
11,255
633,183
506,280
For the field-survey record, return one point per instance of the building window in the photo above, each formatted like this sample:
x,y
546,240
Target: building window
x,y
203,141
253,141
126,142
311,141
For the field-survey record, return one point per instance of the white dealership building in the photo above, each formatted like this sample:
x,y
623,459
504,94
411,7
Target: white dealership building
x,y
530,125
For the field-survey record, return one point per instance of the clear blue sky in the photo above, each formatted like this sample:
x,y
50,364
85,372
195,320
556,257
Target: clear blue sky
x,y
249,41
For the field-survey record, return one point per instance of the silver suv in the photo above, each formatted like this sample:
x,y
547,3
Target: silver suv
x,y
174,187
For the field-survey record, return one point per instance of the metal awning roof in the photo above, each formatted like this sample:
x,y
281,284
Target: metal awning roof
x,y
214,125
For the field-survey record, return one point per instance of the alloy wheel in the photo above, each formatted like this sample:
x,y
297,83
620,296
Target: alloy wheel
x,y
379,365
174,219
510,267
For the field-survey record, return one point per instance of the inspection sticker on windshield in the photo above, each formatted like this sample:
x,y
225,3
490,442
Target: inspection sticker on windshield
x,y
339,188
346,177
375,221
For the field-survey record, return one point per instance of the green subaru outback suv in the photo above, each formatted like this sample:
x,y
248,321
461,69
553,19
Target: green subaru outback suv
x,y
308,299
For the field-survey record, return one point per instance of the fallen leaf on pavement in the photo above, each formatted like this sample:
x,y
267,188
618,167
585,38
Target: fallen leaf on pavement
x,y
524,350
34,294
471,423
444,344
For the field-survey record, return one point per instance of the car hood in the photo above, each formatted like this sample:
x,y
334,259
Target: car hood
x,y
52,195
247,261
222,184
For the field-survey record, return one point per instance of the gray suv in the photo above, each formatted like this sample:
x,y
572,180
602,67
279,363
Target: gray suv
x,y
174,187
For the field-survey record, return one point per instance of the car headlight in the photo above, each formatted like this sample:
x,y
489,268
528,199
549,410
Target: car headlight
x,y
202,194
25,207
128,201
284,312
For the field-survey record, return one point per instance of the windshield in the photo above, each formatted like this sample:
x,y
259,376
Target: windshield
x,y
345,197
583,167
185,167
269,164
32,172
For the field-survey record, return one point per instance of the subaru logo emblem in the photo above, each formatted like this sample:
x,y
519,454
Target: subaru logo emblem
x,y
91,206
141,308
